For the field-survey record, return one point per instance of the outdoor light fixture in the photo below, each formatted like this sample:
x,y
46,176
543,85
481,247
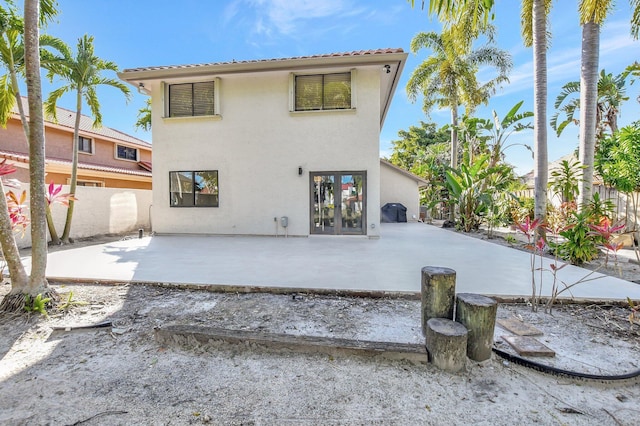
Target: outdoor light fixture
x,y
141,89
300,171
386,67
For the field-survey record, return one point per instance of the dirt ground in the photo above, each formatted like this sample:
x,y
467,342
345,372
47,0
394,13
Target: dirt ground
x,y
119,375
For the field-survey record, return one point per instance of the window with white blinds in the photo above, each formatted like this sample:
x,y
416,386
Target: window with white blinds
x,y
323,92
192,99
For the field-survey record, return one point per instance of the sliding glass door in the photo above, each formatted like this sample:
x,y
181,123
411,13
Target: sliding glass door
x,y
338,203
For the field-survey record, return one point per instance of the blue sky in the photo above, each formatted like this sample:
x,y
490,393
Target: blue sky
x,y
160,32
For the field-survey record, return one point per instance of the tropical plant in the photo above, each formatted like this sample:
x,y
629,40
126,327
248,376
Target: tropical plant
x,y
536,246
447,79
618,163
144,116
20,55
501,129
472,187
465,19
611,93
411,150
564,180
580,244
83,74
12,60
37,282
36,304
7,239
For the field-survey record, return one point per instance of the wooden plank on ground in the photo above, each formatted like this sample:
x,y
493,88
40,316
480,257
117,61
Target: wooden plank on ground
x,y
528,346
518,327
189,335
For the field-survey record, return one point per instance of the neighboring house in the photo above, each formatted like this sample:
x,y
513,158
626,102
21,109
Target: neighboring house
x,y
253,147
401,186
106,157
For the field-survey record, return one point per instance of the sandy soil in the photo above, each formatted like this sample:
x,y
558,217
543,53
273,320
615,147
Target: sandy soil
x,y
119,375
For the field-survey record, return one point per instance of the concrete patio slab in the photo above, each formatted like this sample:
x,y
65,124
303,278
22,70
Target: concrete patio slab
x,y
389,264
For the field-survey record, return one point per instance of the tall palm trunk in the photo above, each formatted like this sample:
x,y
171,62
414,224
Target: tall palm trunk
x,y
454,151
74,168
588,105
540,172
454,137
37,281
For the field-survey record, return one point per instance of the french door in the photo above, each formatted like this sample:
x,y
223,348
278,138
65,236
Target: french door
x,y
338,203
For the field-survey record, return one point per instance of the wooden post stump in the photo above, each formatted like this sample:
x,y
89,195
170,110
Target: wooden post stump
x,y
438,293
446,342
478,314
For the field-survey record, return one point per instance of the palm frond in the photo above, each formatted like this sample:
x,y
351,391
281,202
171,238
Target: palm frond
x,y
52,101
7,99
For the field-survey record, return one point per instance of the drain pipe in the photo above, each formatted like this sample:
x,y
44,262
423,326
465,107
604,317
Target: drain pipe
x,y
275,221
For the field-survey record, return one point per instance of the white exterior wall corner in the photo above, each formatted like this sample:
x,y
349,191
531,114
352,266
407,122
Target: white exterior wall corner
x,y
396,187
257,147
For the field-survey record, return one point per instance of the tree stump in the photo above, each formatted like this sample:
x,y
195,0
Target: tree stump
x,y
438,293
478,314
446,342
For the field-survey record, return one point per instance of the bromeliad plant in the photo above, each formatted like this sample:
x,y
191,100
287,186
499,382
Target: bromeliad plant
x,y
603,232
606,230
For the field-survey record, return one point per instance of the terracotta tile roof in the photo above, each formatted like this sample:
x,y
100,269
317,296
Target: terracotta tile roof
x,y
356,53
145,165
66,118
24,158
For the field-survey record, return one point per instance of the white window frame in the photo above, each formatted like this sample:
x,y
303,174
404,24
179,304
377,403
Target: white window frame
x,y
115,152
292,92
216,99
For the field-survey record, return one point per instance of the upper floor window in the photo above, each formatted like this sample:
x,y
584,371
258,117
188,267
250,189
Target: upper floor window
x,y
192,99
323,92
85,145
126,153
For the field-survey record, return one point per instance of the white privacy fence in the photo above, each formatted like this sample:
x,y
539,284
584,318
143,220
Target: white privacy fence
x,y
100,211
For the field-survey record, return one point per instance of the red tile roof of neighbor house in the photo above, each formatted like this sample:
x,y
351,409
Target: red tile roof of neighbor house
x,y
24,158
355,53
66,118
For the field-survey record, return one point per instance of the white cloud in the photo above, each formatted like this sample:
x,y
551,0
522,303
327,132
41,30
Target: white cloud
x,y
286,16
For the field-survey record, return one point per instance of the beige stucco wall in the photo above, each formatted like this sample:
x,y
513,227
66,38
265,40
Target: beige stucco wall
x,y
398,188
257,147
100,211
59,146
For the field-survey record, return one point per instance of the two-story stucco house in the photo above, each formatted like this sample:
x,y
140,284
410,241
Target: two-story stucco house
x,y
106,157
265,147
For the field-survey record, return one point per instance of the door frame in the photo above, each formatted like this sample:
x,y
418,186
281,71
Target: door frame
x,y
337,228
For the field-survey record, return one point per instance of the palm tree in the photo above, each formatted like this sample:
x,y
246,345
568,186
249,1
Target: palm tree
x,y
535,14
593,13
611,93
448,10
82,74
144,116
466,19
36,12
448,80
12,59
